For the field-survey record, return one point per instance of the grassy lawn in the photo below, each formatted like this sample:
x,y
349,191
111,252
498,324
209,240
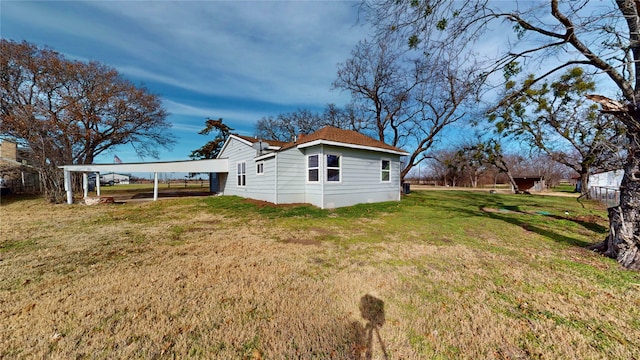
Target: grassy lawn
x,y
444,275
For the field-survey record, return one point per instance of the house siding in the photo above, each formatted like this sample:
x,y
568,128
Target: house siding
x,y
360,172
262,186
291,174
259,187
285,176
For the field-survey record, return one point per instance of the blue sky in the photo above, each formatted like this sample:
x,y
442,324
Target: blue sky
x,y
239,60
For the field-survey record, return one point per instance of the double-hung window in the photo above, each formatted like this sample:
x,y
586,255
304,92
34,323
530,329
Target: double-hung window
x,y
260,168
385,171
242,173
333,168
313,168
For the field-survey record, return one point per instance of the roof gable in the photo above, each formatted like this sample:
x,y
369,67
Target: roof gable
x,y
254,140
341,137
327,135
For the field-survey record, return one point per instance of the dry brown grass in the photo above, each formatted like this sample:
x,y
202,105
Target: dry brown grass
x,y
127,290
176,278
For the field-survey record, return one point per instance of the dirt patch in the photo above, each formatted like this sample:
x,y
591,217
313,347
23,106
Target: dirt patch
x,y
172,194
590,219
262,204
322,231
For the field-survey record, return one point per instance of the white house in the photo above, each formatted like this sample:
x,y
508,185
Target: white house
x,y
329,168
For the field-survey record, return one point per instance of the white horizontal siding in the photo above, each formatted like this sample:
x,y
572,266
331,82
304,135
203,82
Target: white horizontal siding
x,y
262,187
285,176
257,187
291,175
313,190
361,182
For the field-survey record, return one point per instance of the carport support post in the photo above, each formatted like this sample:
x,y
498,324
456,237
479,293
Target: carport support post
x,y
155,186
67,187
85,185
97,183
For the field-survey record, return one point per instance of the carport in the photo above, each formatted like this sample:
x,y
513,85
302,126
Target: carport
x,y
191,166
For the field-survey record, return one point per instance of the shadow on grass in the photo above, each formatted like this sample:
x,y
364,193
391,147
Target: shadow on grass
x,y
591,225
528,226
503,209
12,198
372,311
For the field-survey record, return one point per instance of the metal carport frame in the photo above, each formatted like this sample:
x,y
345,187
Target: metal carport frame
x,y
192,166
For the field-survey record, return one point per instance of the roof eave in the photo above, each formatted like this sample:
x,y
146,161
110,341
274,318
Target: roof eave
x,y
353,146
265,156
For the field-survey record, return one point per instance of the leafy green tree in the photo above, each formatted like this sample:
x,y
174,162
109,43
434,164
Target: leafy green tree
x,y
557,119
212,148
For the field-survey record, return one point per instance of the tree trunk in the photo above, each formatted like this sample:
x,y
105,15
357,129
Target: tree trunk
x,y
623,241
584,184
53,183
474,180
512,182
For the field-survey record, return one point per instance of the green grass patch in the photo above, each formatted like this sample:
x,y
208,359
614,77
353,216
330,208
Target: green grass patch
x,y
18,245
567,188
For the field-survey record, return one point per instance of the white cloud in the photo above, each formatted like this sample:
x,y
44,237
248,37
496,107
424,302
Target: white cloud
x,y
237,60
281,52
238,116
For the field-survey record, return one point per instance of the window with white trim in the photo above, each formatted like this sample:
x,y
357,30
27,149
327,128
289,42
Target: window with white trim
x,y
385,171
241,174
333,168
260,168
313,168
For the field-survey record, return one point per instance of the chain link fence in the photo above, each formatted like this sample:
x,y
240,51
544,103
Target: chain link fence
x,y
607,195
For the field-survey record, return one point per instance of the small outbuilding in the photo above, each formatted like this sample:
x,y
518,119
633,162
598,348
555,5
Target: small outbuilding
x,y
530,183
605,186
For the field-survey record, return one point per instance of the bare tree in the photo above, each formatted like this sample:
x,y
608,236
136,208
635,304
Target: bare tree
x,y
490,153
350,117
68,112
408,98
286,126
553,171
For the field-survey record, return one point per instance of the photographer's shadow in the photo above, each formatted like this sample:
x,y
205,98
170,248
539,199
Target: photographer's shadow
x,y
371,310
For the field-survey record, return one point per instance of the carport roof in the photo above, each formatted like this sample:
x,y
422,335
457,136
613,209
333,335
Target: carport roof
x,y
194,166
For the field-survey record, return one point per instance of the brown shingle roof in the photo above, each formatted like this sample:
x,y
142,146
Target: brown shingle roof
x,y
254,140
328,133
334,134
